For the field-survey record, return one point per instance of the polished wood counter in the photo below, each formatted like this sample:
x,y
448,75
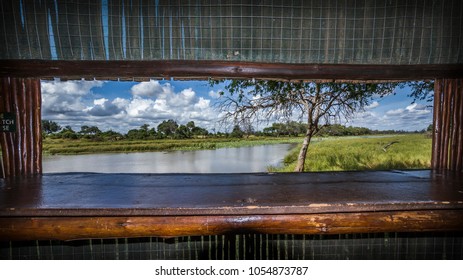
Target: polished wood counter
x,y
95,205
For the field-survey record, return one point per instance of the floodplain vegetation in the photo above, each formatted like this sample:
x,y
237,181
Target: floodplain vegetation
x,y
53,146
371,152
405,151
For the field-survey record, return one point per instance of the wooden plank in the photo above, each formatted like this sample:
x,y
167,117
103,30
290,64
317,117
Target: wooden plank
x,y
459,166
89,205
437,125
446,124
17,137
28,128
37,126
2,171
68,228
454,137
90,194
5,138
223,69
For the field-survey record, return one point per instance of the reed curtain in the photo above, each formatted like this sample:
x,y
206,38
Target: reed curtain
x,y
281,31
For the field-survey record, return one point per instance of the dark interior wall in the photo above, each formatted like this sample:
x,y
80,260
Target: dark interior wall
x,y
387,246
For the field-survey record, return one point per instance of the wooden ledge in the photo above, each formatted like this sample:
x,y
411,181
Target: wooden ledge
x,y
71,228
86,205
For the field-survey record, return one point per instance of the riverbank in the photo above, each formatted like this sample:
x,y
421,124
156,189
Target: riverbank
x,y
85,146
407,151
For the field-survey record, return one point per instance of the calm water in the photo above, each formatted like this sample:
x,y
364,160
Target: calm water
x,y
226,160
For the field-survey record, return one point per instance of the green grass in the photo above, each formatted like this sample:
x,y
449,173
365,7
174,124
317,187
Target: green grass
x,y
84,146
412,151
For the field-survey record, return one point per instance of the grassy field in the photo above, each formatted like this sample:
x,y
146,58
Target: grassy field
x,y
410,151
83,146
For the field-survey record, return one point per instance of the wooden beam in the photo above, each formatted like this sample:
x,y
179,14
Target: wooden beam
x,y
69,228
184,69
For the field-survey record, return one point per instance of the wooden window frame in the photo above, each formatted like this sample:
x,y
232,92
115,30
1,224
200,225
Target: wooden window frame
x,y
17,221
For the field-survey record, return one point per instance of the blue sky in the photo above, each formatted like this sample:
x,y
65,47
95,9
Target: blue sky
x,y
121,106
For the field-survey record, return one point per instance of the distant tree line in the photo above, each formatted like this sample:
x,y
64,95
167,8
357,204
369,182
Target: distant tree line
x,y
296,129
170,129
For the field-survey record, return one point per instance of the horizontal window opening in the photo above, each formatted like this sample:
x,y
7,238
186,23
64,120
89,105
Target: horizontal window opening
x,y
171,126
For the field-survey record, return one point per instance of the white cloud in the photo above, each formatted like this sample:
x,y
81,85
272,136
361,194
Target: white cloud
x,y
66,97
138,106
373,105
414,109
214,94
73,103
75,88
151,89
411,117
104,108
202,104
121,102
185,98
396,112
155,102
100,101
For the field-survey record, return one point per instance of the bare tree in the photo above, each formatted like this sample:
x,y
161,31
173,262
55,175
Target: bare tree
x,y
319,104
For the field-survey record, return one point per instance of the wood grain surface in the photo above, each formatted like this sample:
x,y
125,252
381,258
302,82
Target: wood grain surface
x,y
92,205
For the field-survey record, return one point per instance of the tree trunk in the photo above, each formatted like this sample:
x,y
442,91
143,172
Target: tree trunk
x,y
303,153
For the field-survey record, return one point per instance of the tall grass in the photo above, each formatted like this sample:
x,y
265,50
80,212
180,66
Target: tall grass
x,y
84,146
411,151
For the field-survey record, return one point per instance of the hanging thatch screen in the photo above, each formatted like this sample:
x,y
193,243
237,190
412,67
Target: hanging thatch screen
x,y
316,31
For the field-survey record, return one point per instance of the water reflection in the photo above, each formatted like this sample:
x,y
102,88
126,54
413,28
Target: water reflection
x,y
226,160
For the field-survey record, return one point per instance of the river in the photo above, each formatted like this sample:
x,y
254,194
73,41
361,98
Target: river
x,y
225,160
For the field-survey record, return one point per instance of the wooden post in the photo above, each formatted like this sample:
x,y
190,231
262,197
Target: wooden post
x,y
21,149
2,172
447,150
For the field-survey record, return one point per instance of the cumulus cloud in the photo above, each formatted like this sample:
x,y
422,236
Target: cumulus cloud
x,y
66,97
73,103
414,109
104,107
75,88
155,102
411,117
395,112
214,94
373,105
151,89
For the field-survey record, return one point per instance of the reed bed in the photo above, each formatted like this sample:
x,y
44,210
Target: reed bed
x,y
84,146
409,151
